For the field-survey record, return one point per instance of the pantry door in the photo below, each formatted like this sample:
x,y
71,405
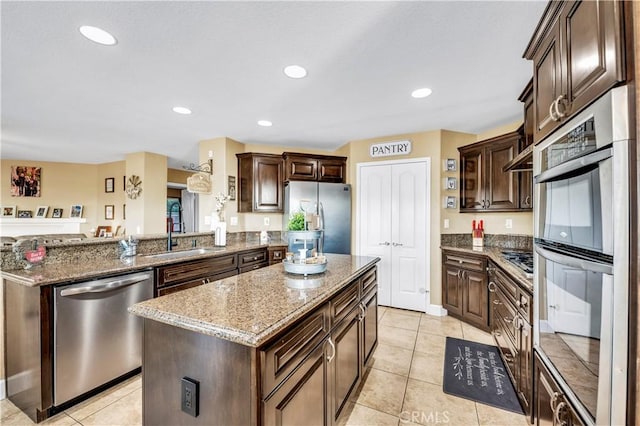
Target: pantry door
x,y
392,222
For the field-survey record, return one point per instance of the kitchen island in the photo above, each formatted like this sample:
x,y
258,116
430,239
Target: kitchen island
x,y
265,347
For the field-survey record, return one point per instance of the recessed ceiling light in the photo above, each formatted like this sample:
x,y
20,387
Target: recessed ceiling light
x,y
182,110
295,71
265,123
97,35
421,93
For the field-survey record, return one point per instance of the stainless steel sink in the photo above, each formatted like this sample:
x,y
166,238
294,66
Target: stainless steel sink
x,y
184,253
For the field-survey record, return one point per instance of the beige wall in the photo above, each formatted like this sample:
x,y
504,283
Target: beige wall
x,y
117,199
147,214
63,184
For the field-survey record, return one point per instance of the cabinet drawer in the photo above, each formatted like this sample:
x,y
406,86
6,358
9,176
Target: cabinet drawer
x,y
253,267
464,261
524,305
369,280
168,275
506,285
282,357
247,258
343,302
194,283
507,350
505,314
276,254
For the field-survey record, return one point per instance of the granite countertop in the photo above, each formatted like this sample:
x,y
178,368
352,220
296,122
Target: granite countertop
x,y
495,255
251,308
103,267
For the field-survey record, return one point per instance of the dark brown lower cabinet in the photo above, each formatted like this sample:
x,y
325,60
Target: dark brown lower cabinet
x,y
464,288
551,408
302,399
512,332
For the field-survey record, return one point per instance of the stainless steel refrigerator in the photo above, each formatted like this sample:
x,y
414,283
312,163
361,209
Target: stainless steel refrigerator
x,y
331,202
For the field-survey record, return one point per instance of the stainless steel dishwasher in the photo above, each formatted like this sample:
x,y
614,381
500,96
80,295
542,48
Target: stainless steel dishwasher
x,y
95,338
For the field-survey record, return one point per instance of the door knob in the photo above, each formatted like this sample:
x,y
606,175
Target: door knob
x,y
397,244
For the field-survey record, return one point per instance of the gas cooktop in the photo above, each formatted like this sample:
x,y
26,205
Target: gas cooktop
x,y
521,259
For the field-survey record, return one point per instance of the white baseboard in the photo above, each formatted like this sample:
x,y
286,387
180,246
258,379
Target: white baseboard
x,y
436,310
3,388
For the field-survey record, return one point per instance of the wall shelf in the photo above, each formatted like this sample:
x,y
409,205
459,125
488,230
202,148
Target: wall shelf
x,y
11,227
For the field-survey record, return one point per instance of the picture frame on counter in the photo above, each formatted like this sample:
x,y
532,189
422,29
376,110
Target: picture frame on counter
x,y
25,214
101,231
109,184
8,211
109,212
451,165
57,213
41,211
76,211
450,202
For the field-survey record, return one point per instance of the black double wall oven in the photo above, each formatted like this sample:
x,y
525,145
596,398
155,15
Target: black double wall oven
x,y
581,228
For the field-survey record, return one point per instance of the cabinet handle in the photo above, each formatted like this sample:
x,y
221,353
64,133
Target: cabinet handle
x,y
556,415
554,398
363,312
492,289
497,302
527,200
488,204
552,113
497,333
563,113
524,302
333,351
508,320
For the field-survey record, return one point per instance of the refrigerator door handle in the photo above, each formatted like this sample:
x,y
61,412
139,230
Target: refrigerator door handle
x,y
321,214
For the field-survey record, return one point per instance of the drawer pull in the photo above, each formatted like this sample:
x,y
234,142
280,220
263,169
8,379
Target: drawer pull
x,y
508,320
492,287
363,312
497,302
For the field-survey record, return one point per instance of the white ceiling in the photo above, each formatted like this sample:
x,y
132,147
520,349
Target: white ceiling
x,y
65,98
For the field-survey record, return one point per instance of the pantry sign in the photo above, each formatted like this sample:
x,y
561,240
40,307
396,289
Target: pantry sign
x,y
388,149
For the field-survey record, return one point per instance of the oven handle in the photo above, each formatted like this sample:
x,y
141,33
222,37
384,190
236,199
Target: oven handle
x,y
586,265
573,165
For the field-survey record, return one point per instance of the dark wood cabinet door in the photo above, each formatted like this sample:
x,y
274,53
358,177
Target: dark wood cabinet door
x,y
476,299
547,84
526,190
331,170
501,188
592,59
260,183
369,326
452,290
268,185
344,366
471,182
545,389
300,168
302,399
527,128
524,379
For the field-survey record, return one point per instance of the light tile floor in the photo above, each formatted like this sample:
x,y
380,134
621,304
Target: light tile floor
x,y
403,386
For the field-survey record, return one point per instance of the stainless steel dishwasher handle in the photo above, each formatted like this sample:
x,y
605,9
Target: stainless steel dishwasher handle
x,y
104,287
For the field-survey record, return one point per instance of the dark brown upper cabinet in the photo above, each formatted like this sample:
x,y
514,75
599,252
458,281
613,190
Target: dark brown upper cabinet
x,y
260,183
578,54
484,186
318,168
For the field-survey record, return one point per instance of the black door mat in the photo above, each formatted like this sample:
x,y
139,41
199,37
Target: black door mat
x,y
475,371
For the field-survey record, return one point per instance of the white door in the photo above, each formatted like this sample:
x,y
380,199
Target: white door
x,y
374,217
392,223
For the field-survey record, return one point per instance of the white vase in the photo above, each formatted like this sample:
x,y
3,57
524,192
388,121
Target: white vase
x,y
220,238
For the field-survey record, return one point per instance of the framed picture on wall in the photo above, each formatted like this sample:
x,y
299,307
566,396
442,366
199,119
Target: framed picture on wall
x,y
57,213
451,165
108,212
452,183
25,214
231,187
451,202
108,185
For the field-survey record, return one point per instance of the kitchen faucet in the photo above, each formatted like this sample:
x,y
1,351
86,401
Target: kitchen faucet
x,y
170,242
